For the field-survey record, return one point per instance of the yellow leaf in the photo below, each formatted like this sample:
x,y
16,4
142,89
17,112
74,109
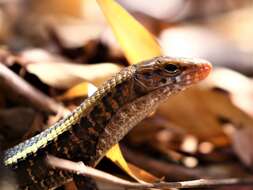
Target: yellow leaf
x,y
77,91
115,155
137,43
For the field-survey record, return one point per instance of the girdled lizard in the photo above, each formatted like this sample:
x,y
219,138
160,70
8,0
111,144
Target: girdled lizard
x,y
102,120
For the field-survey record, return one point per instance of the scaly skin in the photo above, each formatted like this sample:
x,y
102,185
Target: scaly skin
x,y
102,120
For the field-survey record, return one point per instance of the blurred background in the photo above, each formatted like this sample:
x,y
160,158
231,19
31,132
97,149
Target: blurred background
x,y
63,49
216,30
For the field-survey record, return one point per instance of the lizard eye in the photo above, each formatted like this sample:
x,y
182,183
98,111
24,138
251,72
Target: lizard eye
x,y
171,68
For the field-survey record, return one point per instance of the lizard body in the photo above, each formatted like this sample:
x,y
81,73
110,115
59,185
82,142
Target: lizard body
x,y
102,119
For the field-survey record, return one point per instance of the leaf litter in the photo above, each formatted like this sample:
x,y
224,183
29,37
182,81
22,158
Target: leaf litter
x,y
205,132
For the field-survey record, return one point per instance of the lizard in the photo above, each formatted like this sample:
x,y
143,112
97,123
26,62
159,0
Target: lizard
x,y
102,120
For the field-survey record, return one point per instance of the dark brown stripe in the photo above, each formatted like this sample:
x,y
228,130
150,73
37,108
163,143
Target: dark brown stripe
x,y
85,123
110,104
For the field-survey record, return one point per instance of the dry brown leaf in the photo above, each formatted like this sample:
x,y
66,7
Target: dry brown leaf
x,y
142,174
240,125
239,87
206,109
198,119
242,144
66,75
202,107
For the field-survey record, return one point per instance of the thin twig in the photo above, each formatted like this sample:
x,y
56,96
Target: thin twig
x,y
80,168
175,171
18,86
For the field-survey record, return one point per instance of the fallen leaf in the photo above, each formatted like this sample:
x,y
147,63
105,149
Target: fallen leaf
x,y
142,175
137,43
198,118
77,91
37,55
216,111
66,75
241,94
115,155
239,121
242,144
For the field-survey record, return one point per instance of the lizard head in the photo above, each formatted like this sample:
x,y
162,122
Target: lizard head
x,y
176,73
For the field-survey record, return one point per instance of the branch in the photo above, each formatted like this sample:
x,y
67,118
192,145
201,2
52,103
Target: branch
x,y
18,86
80,168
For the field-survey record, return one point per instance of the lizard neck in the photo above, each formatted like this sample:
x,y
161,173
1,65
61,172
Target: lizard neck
x,y
81,141
126,118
